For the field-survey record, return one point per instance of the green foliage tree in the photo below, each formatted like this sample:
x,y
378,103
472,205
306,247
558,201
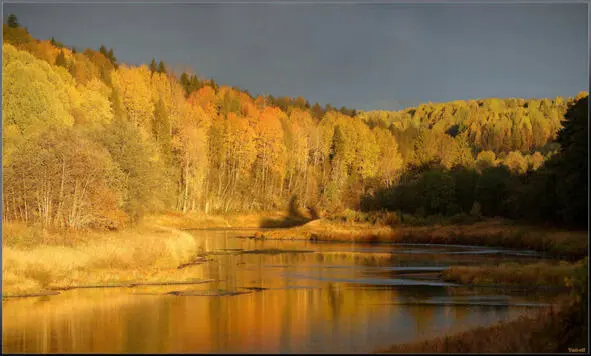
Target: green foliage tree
x,y
465,183
153,66
112,58
103,51
190,83
437,190
12,21
56,43
493,190
571,164
161,67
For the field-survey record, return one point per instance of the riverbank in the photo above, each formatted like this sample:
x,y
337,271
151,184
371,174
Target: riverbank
x,y
37,261
557,243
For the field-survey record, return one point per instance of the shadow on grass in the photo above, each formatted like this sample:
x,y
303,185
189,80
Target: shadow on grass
x,y
294,218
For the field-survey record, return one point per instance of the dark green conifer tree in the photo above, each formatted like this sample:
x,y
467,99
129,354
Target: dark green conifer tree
x,y
13,21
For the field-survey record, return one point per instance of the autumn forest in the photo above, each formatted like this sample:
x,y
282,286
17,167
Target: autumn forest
x,y
94,143
448,222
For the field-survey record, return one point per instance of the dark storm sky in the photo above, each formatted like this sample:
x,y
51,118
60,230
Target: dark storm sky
x,y
364,56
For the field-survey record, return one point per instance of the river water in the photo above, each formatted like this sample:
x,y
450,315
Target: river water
x,y
275,296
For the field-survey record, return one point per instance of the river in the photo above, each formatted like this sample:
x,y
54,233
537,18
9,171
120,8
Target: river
x,y
275,296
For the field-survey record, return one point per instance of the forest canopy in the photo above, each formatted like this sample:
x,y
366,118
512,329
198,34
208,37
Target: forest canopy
x,y
90,142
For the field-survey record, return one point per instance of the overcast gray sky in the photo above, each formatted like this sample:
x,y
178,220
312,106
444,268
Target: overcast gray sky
x,y
362,56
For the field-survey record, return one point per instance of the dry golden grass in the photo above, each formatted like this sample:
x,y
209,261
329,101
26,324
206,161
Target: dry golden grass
x,y
147,252
335,231
541,274
560,243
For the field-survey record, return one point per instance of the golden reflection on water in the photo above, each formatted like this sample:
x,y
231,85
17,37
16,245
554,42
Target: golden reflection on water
x,y
296,313
290,320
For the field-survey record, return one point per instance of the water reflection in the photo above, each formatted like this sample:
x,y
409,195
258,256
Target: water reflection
x,y
341,298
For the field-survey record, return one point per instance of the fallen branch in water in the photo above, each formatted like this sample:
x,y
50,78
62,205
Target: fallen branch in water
x,y
119,285
199,261
133,284
256,289
170,283
273,251
42,294
220,293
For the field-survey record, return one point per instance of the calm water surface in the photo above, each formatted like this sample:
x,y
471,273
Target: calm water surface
x,y
310,297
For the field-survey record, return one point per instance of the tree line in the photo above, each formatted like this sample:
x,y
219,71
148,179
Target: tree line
x,y
90,142
556,193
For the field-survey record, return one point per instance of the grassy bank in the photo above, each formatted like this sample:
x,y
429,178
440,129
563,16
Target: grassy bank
x,y
272,219
385,227
37,260
550,331
558,243
530,275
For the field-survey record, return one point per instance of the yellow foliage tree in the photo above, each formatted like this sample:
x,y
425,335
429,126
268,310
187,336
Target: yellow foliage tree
x,y
35,95
134,89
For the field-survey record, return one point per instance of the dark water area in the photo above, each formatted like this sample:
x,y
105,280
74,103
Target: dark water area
x,y
276,296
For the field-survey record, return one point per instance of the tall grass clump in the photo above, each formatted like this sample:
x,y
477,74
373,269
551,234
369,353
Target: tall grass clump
x,y
97,257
